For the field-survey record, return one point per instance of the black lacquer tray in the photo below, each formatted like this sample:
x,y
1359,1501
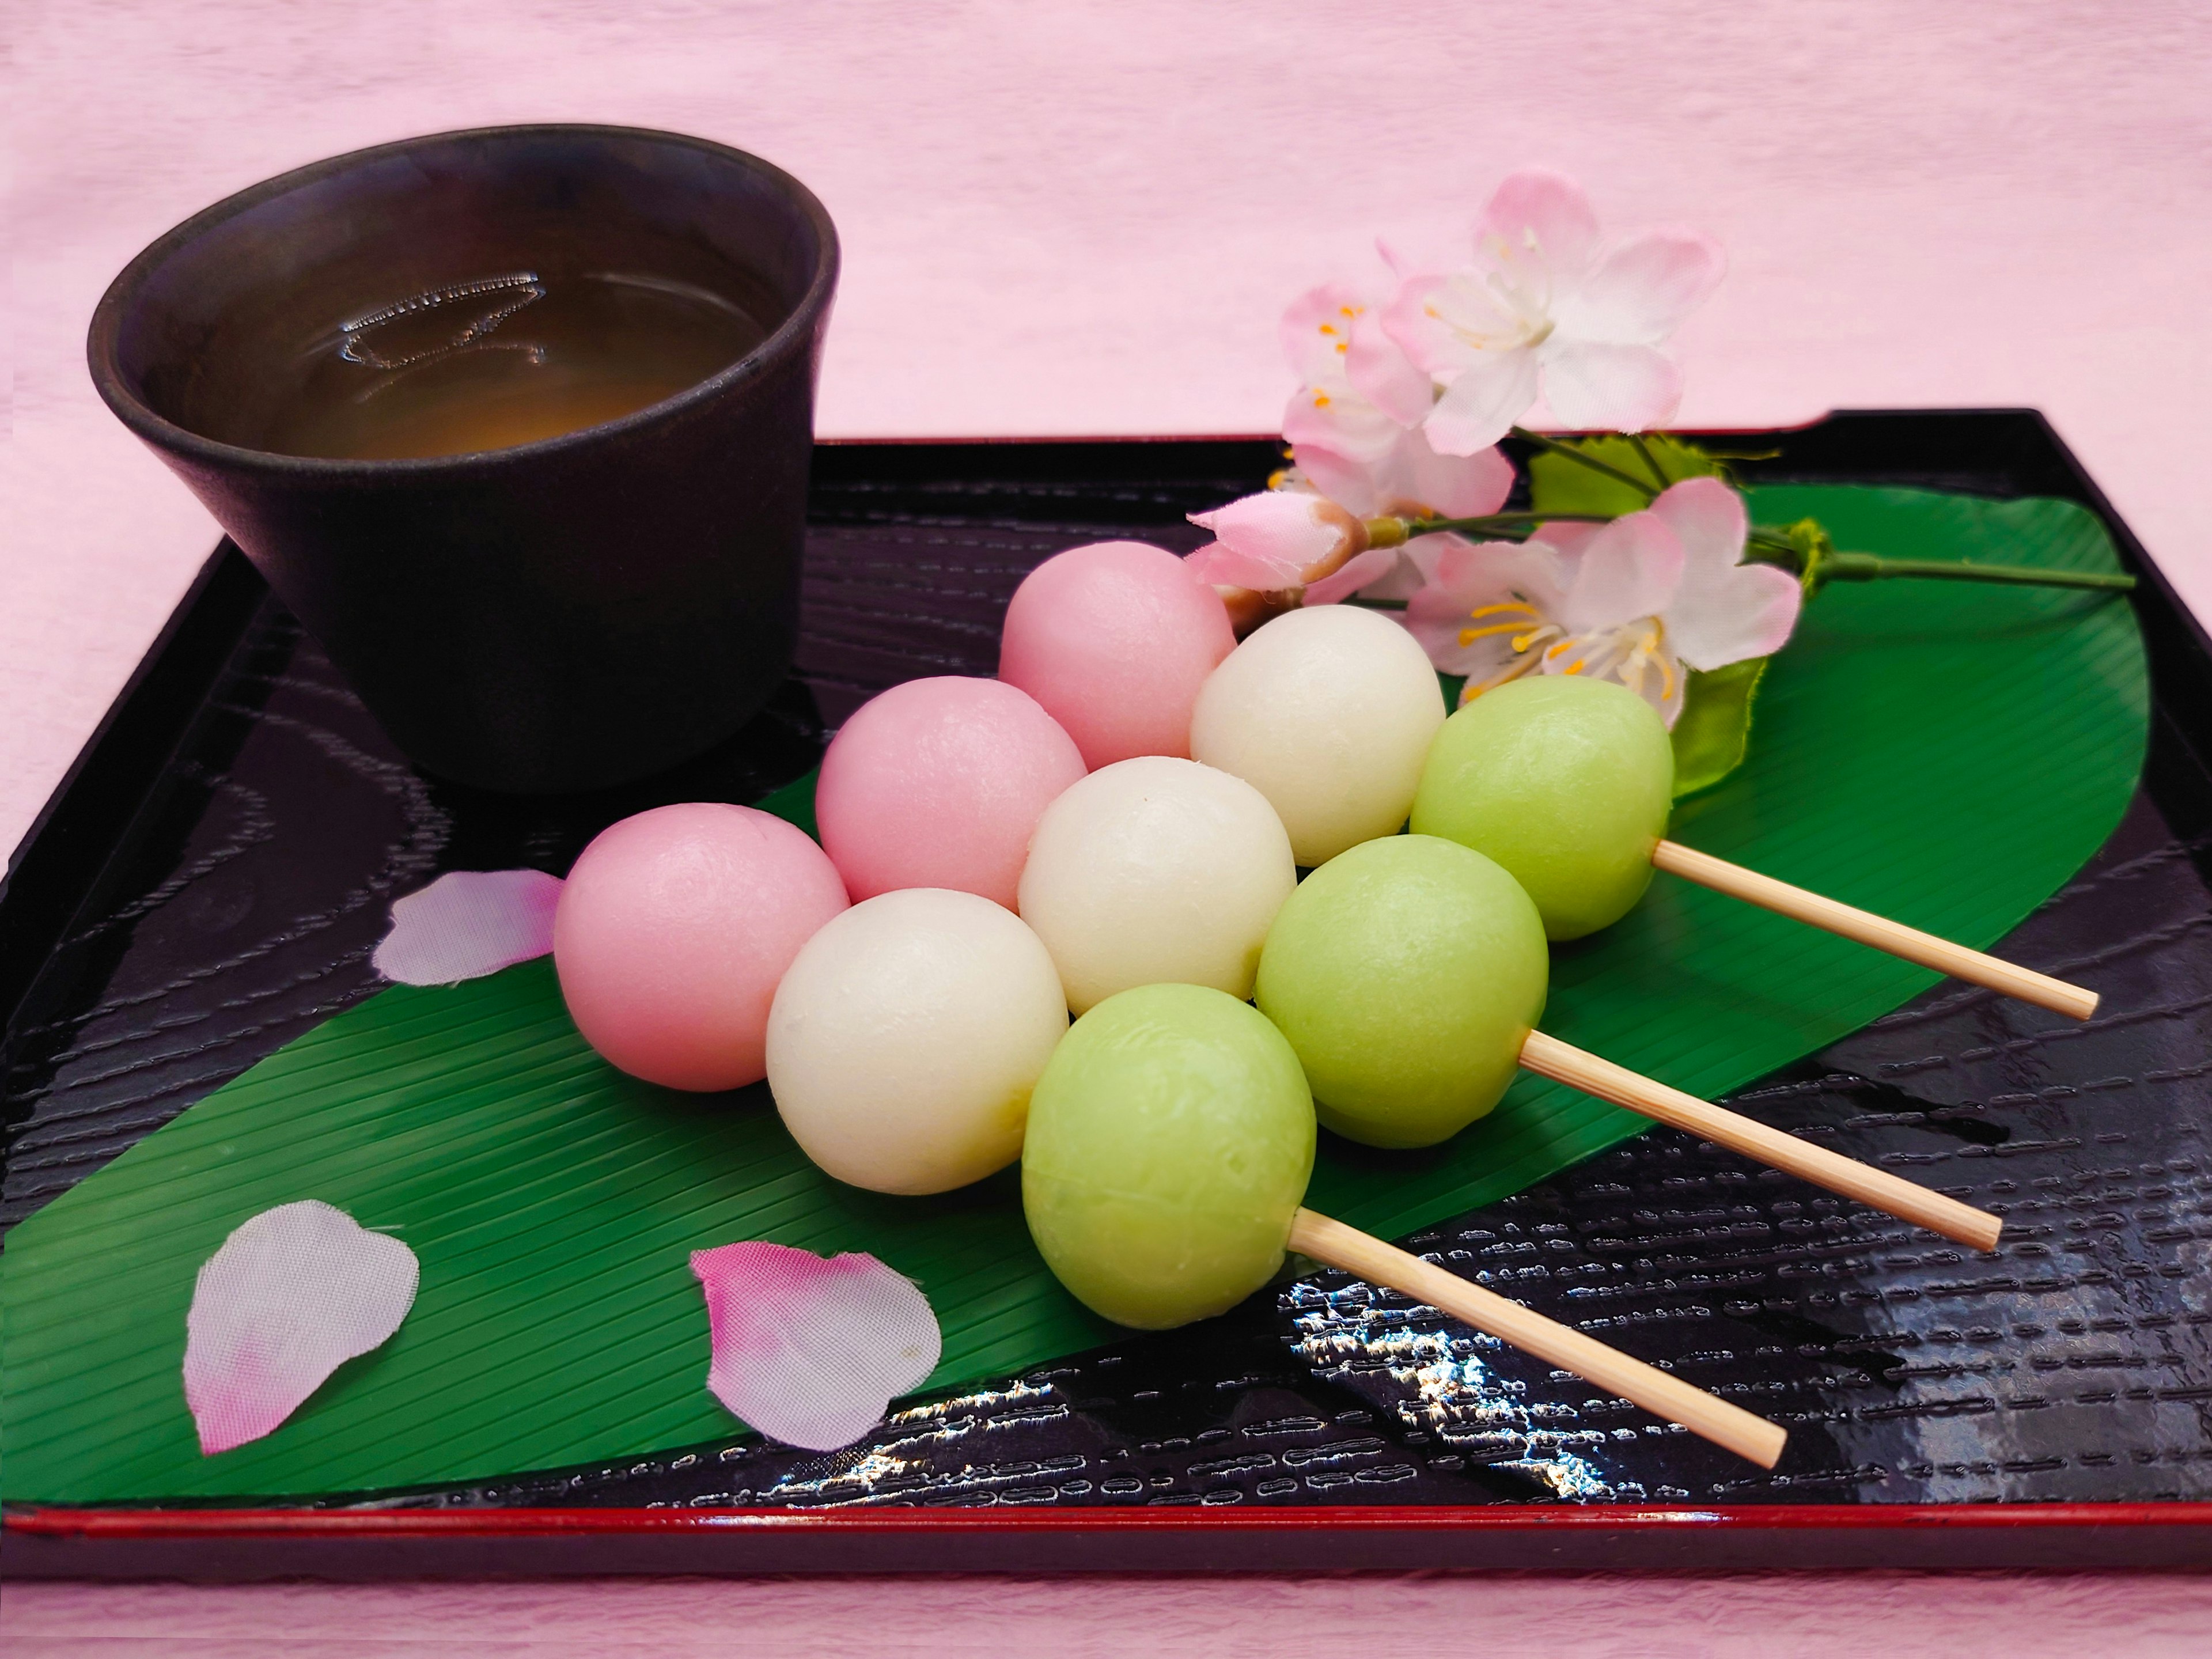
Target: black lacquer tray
x,y
209,881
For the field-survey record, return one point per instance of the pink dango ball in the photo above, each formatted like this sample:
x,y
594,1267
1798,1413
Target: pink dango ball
x,y
1115,640
673,930
938,783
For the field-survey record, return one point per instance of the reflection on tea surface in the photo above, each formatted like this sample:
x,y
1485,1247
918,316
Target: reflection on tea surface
x,y
502,359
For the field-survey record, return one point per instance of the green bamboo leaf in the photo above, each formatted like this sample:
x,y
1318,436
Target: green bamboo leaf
x,y
1713,732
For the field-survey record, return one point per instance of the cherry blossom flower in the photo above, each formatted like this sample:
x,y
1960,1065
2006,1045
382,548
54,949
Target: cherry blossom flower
x,y
1637,600
1549,307
1354,425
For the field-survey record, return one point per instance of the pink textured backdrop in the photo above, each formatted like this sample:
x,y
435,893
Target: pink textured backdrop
x,y
1082,218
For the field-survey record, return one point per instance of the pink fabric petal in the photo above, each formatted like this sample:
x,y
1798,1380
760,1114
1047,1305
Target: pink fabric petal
x,y
1643,288
1456,486
1220,566
1379,371
1709,518
1353,575
1352,484
1284,526
810,1350
1570,537
469,923
1617,388
1549,210
289,1297
1482,404
1630,569
1743,611
1316,329
1413,320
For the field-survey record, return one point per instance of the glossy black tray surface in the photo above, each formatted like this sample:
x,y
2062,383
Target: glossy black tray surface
x,y
211,879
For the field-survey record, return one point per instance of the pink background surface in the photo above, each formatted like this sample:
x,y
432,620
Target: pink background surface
x,y
1084,216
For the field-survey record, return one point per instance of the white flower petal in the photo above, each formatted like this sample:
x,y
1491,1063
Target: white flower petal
x,y
810,1351
1619,388
1544,219
1482,404
1456,486
469,923
1723,616
289,1297
1710,520
1379,371
1642,289
1629,569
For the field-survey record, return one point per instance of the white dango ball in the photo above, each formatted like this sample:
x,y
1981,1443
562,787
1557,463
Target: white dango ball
x,y
1328,711
1155,871
906,1036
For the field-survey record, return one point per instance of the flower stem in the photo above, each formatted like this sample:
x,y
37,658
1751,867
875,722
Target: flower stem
x,y
1644,453
1584,458
1867,566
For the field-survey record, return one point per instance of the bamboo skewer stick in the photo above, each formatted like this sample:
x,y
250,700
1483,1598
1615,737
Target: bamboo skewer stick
x,y
1876,1188
1881,933
1731,1427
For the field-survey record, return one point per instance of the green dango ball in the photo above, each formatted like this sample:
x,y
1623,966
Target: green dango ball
x,y
1169,1144
1407,974
1566,783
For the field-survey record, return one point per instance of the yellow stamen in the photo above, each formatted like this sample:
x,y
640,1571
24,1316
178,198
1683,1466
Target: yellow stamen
x,y
1574,667
1468,635
1482,610
1564,645
1321,400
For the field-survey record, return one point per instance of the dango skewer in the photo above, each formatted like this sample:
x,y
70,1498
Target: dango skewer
x,y
1163,1173
1408,975
1568,783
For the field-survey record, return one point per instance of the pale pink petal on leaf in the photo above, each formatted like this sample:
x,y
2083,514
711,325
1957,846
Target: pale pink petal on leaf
x,y
1379,372
1723,616
469,923
289,1297
1353,575
1288,526
1483,402
1544,215
1613,388
810,1350
1643,288
1630,569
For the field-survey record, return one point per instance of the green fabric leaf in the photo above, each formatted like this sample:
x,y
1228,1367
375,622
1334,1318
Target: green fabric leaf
x,y
1557,484
1712,733
552,1202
